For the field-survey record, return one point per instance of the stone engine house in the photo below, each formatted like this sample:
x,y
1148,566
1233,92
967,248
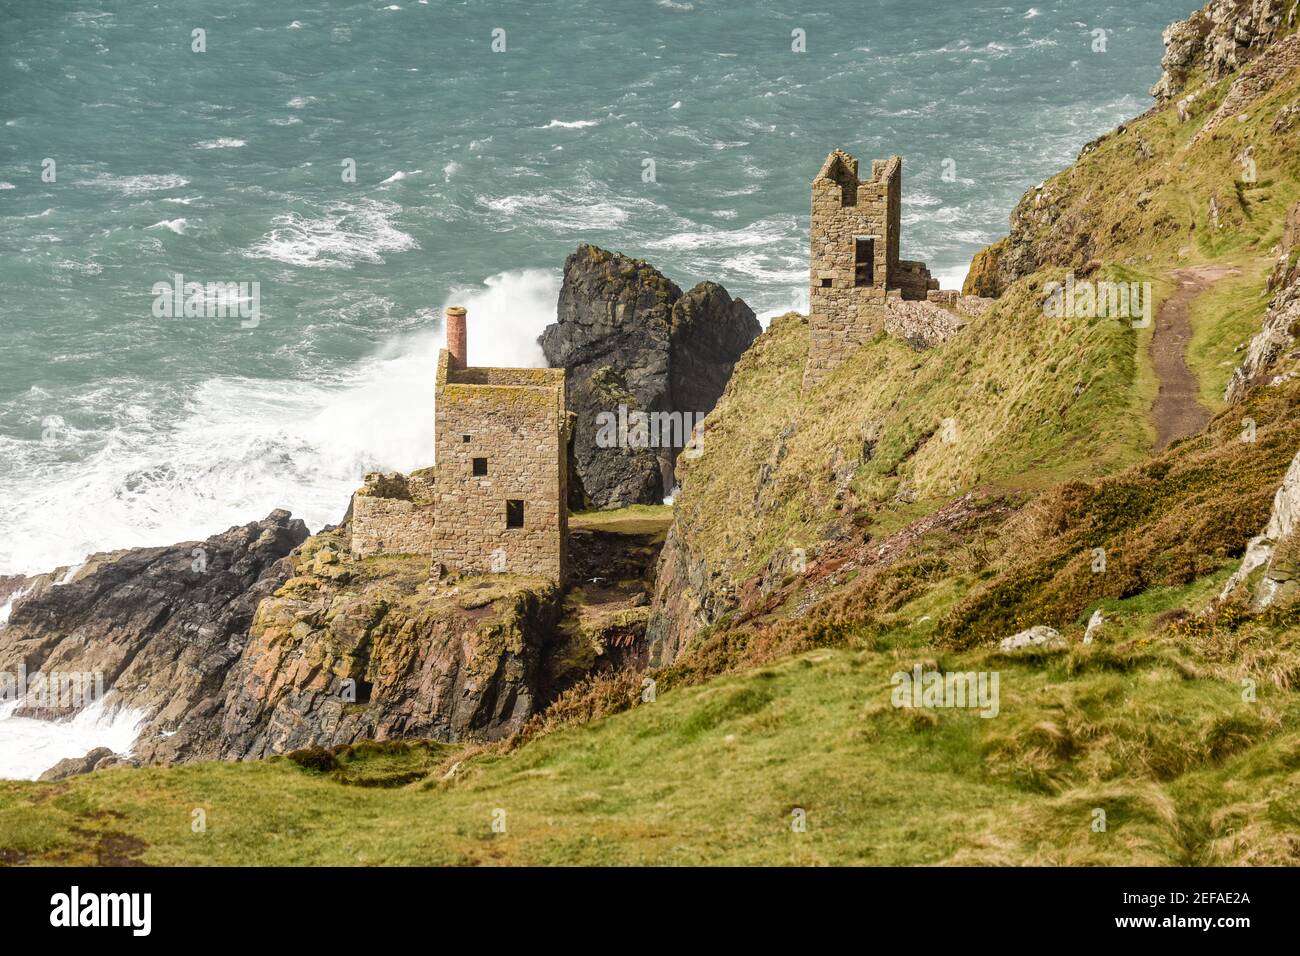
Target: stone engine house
x,y
497,500
854,266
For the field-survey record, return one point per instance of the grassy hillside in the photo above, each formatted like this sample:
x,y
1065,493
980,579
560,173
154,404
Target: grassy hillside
x,y
1016,401
1155,734
1141,195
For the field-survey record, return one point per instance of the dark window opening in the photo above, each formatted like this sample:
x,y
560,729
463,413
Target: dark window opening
x,y
465,439
514,513
864,262
480,467
826,283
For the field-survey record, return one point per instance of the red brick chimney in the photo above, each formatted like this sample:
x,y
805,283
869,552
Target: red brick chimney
x,y
456,336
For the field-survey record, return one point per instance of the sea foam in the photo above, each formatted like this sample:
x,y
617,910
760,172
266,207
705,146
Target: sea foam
x,y
243,446
30,747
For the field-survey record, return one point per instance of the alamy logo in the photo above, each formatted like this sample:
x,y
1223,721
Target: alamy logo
x,y
1104,299
211,300
969,689
57,690
103,909
638,429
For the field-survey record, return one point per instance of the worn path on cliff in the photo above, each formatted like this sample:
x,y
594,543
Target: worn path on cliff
x,y
1178,411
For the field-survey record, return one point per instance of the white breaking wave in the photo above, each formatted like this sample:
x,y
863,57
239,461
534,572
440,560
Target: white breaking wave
x,y
137,185
8,607
575,124
344,235
30,747
175,225
764,233
951,278
225,142
398,176
563,212
797,302
243,447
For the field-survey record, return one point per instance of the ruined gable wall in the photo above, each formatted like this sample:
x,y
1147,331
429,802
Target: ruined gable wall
x,y
393,514
390,526
891,177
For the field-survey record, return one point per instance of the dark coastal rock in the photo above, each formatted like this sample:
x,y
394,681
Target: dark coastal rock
x,y
101,758
349,651
158,627
629,336
710,331
615,476
1220,38
261,640
161,625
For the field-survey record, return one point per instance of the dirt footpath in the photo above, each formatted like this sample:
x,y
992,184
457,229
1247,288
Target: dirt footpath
x,y
1178,411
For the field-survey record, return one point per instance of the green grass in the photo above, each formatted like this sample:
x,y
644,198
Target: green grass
x,y
1224,317
1033,401
633,519
1185,771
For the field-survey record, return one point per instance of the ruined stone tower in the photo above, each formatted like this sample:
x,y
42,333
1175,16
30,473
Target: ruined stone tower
x,y
501,443
854,266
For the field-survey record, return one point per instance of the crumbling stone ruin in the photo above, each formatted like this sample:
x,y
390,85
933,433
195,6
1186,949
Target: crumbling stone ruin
x,y
858,284
393,514
497,501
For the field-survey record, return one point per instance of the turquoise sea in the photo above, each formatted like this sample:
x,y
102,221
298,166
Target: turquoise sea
x,y
477,171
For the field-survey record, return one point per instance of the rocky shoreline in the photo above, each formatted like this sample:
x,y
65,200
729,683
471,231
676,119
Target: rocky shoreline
x,y
264,639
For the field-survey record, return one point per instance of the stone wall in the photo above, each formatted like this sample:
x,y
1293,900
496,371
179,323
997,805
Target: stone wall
x,y
913,279
921,324
393,514
838,325
518,425
847,298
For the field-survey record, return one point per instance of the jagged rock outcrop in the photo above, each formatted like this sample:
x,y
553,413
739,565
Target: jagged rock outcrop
x,y
101,758
261,640
1272,64
689,595
629,336
162,625
1062,223
1287,268
1270,568
709,332
351,650
984,277
1281,321
601,473
1220,38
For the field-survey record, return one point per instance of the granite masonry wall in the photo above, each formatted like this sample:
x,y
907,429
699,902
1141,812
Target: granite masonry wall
x,y
393,514
501,444
854,264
